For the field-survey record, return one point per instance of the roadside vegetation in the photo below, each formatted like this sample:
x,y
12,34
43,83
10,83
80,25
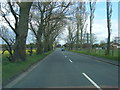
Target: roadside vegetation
x,y
43,25
100,53
44,20
10,70
80,39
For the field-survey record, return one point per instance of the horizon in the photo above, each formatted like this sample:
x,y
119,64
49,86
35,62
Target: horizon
x,y
99,23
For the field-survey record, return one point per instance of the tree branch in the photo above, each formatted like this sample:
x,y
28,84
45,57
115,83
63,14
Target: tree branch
x,y
10,25
13,12
33,29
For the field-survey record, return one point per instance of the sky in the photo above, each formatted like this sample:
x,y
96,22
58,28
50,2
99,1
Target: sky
x,y
99,24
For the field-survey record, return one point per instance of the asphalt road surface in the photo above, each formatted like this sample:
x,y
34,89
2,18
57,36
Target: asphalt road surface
x,y
63,69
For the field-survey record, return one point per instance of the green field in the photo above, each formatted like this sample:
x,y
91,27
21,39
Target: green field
x,y
11,69
100,53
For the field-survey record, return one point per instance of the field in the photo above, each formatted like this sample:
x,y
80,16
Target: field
x,y
11,69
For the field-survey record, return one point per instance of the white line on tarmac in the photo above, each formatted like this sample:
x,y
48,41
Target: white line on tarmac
x,y
70,60
98,87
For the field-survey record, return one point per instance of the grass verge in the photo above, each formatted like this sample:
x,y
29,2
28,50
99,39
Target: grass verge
x,y
102,55
10,70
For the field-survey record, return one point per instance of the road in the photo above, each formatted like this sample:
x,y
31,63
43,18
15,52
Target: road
x,y
70,70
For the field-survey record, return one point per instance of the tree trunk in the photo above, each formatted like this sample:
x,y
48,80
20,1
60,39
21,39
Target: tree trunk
x,y
39,47
92,10
51,46
77,36
81,39
39,34
46,45
90,33
22,30
108,44
39,40
108,26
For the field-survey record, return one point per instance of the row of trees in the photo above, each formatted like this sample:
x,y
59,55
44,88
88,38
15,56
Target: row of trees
x,y
77,34
77,29
44,19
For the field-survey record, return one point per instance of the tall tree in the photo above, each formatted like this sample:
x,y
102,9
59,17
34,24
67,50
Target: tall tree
x,y
92,10
81,16
22,31
109,14
51,15
10,8
20,27
71,35
38,21
55,16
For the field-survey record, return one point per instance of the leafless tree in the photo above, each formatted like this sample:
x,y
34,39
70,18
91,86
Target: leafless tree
x,y
92,10
20,27
81,16
71,35
109,14
9,39
51,15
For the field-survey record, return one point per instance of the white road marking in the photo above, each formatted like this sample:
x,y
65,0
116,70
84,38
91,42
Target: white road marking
x,y
65,56
70,60
98,87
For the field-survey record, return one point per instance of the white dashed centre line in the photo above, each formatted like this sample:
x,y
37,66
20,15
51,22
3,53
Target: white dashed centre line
x,y
70,60
65,56
98,87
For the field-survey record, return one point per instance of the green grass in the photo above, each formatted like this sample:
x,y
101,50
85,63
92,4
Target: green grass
x,y
10,69
0,70
99,53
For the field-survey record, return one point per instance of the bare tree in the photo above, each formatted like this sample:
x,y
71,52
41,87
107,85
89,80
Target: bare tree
x,y
109,14
71,36
9,40
85,38
92,10
49,21
81,16
22,30
20,27
54,20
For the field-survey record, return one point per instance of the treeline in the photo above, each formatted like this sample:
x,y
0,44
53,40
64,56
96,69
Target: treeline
x,y
47,20
78,36
44,19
